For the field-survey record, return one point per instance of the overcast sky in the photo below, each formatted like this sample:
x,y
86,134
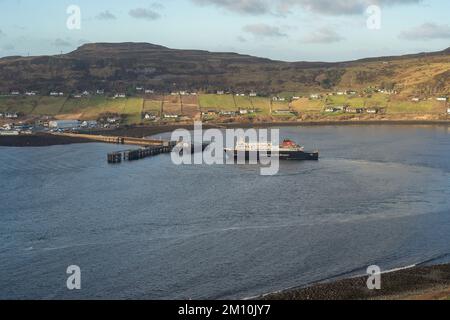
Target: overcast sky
x,y
292,30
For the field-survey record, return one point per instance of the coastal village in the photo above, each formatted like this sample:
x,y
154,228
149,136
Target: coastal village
x,y
58,111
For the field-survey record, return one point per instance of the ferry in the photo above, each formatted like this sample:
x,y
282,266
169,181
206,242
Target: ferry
x,y
288,150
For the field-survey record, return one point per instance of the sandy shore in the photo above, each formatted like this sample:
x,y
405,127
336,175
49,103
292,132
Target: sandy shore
x,y
418,283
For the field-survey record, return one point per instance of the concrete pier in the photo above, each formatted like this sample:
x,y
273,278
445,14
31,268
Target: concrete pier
x,y
142,153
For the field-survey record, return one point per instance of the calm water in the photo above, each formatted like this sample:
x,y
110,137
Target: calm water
x,y
148,229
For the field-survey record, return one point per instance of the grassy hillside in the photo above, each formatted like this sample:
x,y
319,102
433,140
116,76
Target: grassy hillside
x,y
131,108
123,66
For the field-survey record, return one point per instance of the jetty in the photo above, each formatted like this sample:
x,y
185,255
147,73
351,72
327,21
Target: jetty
x,y
148,147
114,139
138,154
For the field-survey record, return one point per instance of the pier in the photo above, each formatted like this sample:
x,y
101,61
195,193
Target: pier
x,y
114,140
142,153
148,148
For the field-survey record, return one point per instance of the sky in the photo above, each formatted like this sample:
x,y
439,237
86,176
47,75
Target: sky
x,y
289,30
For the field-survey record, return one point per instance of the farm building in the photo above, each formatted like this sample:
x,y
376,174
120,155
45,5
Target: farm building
x,y
64,124
354,110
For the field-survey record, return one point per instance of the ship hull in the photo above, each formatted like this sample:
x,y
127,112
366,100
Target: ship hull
x,y
282,155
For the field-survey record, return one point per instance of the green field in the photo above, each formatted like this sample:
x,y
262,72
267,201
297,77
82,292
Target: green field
x,y
18,104
91,108
217,102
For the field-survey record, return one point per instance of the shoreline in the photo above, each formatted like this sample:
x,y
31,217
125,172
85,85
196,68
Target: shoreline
x,y
414,283
39,140
45,139
145,131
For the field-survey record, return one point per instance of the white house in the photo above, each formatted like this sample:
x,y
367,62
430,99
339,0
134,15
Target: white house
x,y
120,95
448,110
9,133
295,98
100,91
253,94
415,99
315,96
15,93
444,99
148,91
372,110
149,116
171,116
89,124
7,126
11,115
30,93
220,92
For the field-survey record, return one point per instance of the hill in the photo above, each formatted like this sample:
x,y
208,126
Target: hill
x,y
123,66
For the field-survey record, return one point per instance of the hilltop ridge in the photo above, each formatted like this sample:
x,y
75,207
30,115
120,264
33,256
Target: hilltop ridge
x,y
118,66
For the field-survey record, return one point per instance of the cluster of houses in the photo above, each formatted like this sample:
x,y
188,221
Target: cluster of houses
x,y
72,124
182,93
440,99
227,113
354,110
9,115
11,129
239,94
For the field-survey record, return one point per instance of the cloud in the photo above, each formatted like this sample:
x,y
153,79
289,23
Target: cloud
x,y
2,34
254,7
281,7
262,30
427,31
241,39
323,35
106,15
61,43
339,7
146,14
157,6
